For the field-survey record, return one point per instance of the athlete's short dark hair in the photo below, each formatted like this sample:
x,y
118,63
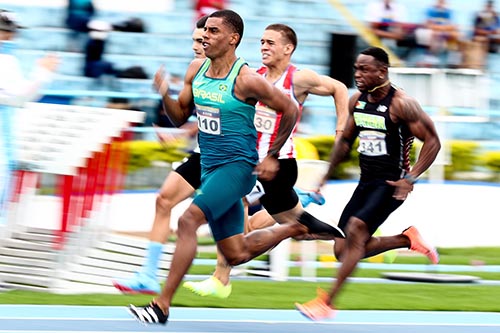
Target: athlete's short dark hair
x,y
286,31
200,24
232,20
378,53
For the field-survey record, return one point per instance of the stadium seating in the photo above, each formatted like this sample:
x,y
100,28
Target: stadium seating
x,y
167,42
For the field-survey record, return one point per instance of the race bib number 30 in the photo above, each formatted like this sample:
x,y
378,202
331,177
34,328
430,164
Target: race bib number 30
x,y
372,143
208,119
265,119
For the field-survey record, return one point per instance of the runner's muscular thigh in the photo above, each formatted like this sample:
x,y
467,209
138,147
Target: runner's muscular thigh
x,y
175,188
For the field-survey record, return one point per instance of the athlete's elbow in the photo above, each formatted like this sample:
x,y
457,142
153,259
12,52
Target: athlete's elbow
x,y
436,144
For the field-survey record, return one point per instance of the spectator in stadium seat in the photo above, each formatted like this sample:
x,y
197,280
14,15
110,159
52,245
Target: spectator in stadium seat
x,y
439,32
487,26
78,15
95,65
388,20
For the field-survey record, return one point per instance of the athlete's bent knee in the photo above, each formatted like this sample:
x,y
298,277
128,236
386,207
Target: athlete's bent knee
x,y
189,223
164,204
356,227
338,249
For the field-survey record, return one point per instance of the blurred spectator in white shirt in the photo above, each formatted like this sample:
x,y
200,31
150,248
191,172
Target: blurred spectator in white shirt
x,y
15,90
386,19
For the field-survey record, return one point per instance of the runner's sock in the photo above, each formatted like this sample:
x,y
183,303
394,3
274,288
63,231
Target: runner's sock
x,y
150,266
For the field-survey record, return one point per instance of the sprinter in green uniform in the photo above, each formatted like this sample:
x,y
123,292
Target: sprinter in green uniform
x,y
224,91
227,137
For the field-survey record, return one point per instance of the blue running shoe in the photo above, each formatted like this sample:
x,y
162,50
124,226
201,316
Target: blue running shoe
x,y
309,197
139,284
317,198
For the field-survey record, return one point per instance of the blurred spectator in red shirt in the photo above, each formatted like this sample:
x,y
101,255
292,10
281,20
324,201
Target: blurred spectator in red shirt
x,y
206,7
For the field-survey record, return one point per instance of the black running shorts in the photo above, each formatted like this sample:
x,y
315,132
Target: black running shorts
x,y
190,170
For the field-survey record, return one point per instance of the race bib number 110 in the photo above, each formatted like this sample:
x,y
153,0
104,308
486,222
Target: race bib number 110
x,y
208,119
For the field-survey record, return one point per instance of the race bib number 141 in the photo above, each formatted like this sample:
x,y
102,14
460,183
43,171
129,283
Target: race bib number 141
x,y
372,143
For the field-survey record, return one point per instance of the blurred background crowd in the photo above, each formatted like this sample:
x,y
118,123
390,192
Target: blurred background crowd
x,y
115,48
105,53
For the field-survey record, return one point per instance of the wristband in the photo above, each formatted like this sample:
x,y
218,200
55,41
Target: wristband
x,y
410,179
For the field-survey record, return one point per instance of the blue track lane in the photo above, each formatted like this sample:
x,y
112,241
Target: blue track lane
x,y
47,318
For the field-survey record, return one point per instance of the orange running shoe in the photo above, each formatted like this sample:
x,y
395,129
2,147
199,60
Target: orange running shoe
x,y
419,245
316,309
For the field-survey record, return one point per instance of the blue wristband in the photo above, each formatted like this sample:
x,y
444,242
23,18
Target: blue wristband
x,y
412,180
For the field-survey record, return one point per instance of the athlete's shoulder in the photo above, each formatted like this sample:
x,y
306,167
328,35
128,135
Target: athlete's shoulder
x,y
249,84
248,75
304,76
401,96
301,72
402,103
198,62
355,96
353,100
298,77
193,69
292,67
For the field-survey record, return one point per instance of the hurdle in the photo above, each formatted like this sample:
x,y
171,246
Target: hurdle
x,y
82,146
